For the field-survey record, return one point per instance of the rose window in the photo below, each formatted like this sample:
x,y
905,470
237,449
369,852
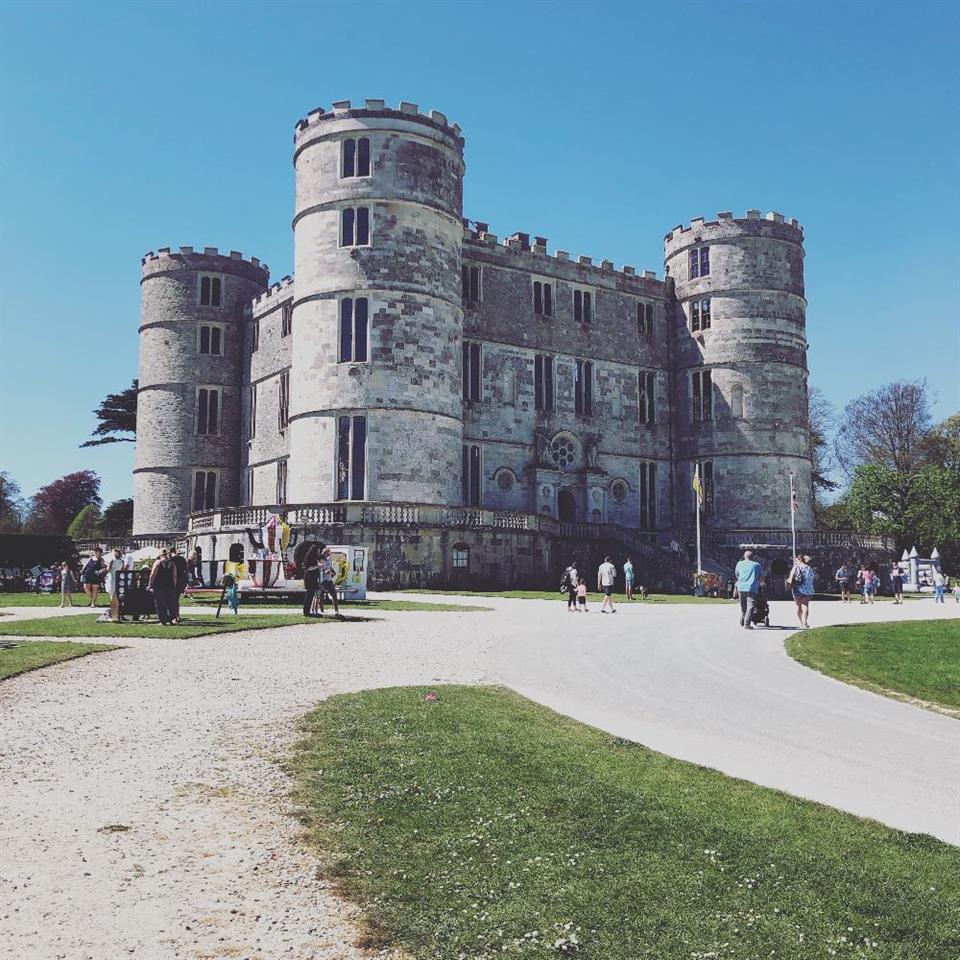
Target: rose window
x,y
619,490
563,450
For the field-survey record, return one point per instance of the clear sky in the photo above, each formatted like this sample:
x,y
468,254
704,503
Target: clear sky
x,y
126,127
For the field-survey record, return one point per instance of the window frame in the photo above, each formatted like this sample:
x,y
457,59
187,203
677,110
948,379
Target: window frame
x,y
346,472
644,318
460,556
701,395
282,475
355,227
252,412
698,261
544,383
354,324
206,473
583,388
543,298
283,401
254,335
286,319
708,486
215,283
471,475
584,305
472,373
210,390
647,493
471,292
210,329
356,175
647,396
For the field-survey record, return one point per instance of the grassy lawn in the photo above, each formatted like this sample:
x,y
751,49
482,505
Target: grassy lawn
x,y
83,626
422,606
32,654
482,825
556,595
917,658
30,599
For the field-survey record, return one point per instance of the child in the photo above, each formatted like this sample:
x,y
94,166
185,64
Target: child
x,y
582,596
956,592
231,594
67,585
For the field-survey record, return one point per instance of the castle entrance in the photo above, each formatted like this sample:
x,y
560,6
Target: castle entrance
x,y
566,506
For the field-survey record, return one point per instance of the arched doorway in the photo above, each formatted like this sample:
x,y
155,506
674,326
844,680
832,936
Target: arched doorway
x,y
566,506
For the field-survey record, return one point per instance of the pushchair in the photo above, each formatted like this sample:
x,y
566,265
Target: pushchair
x,y
761,607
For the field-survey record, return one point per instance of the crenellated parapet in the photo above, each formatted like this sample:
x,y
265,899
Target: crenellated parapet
x,y
275,294
756,223
581,269
166,259
406,112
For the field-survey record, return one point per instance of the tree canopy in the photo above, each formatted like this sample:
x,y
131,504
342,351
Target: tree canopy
x,y
86,524
53,507
117,520
12,506
117,414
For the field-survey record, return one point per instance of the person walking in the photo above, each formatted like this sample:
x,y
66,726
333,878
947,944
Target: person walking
x,y
801,584
748,573
606,577
68,585
861,571
90,576
180,562
582,595
328,580
311,579
870,583
163,585
112,583
896,583
197,556
843,582
628,578
568,585
939,586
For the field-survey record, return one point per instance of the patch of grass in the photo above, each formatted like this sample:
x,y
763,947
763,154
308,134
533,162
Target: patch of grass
x,y
82,626
482,825
556,595
420,606
918,659
33,654
30,599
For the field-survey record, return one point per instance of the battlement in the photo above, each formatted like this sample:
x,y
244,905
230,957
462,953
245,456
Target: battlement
x,y
344,109
537,250
192,257
726,216
273,294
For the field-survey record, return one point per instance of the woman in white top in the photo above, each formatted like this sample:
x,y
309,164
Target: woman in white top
x,y
801,583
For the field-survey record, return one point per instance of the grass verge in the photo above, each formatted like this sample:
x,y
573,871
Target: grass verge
x,y
914,659
83,626
30,599
421,606
556,595
33,654
482,825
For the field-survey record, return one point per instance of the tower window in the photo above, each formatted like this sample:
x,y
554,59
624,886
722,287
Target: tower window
x,y
286,319
211,289
471,475
706,481
648,496
542,298
204,489
699,262
252,416
736,401
248,486
702,392
353,329
355,157
355,227
283,401
282,481
646,392
208,410
471,276
543,382
255,335
700,315
644,318
351,457
583,388
582,306
471,372
211,339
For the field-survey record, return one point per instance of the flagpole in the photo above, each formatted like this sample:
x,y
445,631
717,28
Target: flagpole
x,y
699,497
793,517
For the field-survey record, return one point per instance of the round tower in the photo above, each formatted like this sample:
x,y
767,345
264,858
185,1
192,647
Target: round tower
x,y
741,369
188,402
375,406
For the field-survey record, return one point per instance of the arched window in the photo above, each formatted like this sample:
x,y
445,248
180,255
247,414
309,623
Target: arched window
x,y
736,401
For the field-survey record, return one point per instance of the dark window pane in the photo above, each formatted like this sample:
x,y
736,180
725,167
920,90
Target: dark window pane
x,y
363,226
349,157
695,315
577,305
548,382
475,284
707,396
538,382
346,234
548,299
363,157
704,261
346,330
214,419
537,297
359,457
211,493
651,397
649,318
215,291
694,264
465,476
642,396
705,315
644,519
215,344
343,459
652,496
204,339
475,371
587,309
588,389
465,365
465,282
202,411
697,410
199,482
204,291
360,329
578,388
474,476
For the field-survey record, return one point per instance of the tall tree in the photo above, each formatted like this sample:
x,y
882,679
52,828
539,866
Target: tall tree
x,y
12,506
118,519
942,443
53,507
885,427
86,524
117,414
820,422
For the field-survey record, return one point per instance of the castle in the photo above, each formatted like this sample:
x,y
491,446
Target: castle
x,y
460,401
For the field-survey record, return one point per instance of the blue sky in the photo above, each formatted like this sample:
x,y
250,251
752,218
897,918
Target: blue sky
x,y
126,127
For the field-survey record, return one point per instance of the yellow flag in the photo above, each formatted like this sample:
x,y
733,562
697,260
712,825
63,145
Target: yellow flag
x,y
697,486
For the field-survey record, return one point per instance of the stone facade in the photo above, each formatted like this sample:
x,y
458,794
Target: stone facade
x,y
493,374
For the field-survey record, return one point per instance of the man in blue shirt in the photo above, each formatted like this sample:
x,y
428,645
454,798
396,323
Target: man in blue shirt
x,y
748,573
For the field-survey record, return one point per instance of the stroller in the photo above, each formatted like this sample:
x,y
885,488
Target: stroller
x,y
761,607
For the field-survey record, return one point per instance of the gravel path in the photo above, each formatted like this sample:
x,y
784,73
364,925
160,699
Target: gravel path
x,y
143,814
